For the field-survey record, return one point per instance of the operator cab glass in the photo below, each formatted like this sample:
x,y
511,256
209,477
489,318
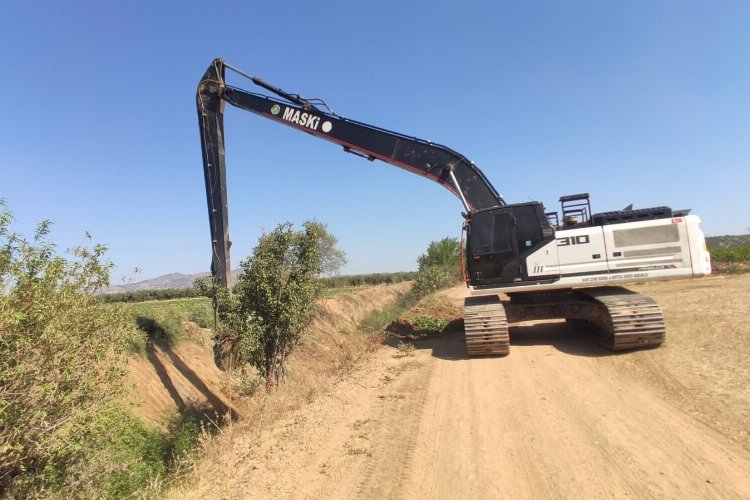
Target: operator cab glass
x,y
500,238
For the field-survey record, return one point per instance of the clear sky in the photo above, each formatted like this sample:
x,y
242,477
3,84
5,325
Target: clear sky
x,y
634,102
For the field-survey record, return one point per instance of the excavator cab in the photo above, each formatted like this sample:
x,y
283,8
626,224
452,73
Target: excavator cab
x,y
499,239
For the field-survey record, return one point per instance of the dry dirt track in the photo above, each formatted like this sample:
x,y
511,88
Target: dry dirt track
x,y
558,418
566,426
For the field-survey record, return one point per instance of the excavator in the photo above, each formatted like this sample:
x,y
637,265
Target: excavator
x,y
545,265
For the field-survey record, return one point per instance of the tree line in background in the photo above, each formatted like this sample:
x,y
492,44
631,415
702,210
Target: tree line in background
x,y
149,295
352,280
343,281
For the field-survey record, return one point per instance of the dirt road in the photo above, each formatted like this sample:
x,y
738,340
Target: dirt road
x,y
558,418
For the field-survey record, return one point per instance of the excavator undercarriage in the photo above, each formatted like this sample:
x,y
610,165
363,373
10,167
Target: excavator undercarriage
x,y
620,318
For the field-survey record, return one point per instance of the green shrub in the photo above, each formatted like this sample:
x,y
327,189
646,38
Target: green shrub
x,y
439,267
129,455
62,358
203,318
431,279
444,254
730,254
183,433
249,384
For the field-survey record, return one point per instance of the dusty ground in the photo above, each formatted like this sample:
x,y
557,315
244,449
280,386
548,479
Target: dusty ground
x,y
558,418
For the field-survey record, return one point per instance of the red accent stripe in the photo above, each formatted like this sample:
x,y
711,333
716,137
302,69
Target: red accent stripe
x,y
464,277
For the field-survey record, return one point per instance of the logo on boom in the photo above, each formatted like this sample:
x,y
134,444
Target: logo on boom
x,y
304,119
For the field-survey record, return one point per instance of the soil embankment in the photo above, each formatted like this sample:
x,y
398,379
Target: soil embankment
x,y
173,377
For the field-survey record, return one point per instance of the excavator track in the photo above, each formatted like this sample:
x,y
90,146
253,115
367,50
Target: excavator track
x,y
486,327
630,320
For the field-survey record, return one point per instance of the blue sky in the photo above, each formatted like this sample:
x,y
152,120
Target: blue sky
x,y
633,102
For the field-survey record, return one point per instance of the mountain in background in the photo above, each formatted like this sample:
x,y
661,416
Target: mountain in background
x,y
172,280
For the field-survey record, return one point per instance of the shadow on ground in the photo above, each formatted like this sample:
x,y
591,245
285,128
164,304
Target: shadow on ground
x,y
160,352
448,343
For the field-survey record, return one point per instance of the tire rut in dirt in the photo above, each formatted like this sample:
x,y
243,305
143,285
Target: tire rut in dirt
x,y
400,411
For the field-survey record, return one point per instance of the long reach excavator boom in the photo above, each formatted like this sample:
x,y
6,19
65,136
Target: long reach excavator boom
x,y
548,267
438,163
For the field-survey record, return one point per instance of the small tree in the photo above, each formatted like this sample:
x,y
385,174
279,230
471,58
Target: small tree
x,y
332,259
274,298
444,254
439,268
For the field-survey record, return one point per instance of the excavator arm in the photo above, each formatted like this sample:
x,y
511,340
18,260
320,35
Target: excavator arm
x,y
438,163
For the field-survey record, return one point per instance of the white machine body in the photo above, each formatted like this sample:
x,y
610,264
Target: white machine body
x,y
590,256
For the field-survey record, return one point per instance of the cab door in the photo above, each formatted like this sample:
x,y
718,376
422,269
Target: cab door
x,y
501,241
492,248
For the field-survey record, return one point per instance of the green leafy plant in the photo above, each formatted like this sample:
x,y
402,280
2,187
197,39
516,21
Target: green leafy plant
x,y
444,254
428,323
62,358
249,384
166,332
731,254
439,267
262,320
431,279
